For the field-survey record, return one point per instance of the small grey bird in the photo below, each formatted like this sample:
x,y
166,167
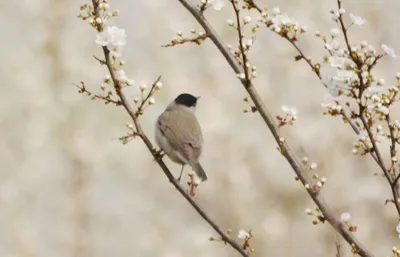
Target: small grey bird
x,y
178,134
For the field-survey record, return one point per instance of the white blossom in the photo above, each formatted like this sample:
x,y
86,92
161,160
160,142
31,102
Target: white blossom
x,y
158,85
116,51
111,35
230,22
197,181
142,86
107,77
334,32
275,10
340,62
370,49
375,89
118,36
247,19
130,82
243,234
282,20
333,45
120,75
389,51
103,38
290,111
378,107
335,15
308,211
152,101
357,19
345,217
241,75
345,77
397,124
313,166
216,4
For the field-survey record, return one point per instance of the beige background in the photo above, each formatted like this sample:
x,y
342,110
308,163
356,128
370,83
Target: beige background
x,y
69,188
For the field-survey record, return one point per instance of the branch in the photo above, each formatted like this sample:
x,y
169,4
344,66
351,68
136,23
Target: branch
x,y
375,154
146,141
375,149
240,35
286,151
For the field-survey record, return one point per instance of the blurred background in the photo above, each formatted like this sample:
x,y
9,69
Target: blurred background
x,y
68,187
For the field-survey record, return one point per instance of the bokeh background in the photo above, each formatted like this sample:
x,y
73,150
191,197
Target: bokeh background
x,y
68,187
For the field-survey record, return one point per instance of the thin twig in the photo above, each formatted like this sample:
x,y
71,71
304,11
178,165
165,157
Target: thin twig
x,y
344,30
337,243
286,151
240,36
180,41
139,131
107,99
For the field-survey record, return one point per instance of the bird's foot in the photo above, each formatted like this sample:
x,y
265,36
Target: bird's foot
x,y
158,154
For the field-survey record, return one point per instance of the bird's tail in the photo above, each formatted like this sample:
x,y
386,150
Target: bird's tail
x,y
199,171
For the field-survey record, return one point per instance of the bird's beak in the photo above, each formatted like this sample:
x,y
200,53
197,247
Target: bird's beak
x,y
198,97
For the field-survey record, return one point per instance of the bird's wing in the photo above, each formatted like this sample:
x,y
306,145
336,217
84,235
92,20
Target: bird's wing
x,y
183,132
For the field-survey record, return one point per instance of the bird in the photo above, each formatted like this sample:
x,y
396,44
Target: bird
x,y
178,134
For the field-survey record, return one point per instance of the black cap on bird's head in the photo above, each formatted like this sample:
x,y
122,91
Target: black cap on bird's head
x,y
186,100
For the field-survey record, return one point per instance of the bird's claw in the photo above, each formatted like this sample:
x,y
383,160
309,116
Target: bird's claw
x,y
158,154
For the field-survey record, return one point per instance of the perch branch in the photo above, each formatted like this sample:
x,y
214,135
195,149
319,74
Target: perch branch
x,y
139,132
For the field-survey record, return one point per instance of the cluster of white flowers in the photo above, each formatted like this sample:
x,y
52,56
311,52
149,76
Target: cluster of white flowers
x,y
389,51
111,35
363,142
341,72
313,166
281,23
289,111
345,217
357,20
243,234
113,38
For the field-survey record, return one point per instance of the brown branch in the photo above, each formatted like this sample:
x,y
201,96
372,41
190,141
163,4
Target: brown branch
x,y
337,243
344,30
374,154
197,40
139,132
375,149
144,100
240,35
286,151
107,99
